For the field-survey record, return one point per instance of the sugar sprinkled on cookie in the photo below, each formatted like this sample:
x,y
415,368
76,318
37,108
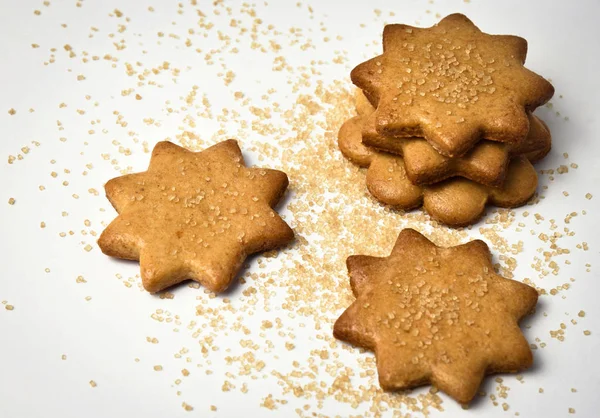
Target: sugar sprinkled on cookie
x,y
452,84
194,215
436,315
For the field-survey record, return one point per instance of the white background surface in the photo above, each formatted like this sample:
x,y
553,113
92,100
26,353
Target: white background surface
x,y
102,336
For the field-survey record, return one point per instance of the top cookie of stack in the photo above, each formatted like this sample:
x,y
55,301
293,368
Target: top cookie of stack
x,y
454,105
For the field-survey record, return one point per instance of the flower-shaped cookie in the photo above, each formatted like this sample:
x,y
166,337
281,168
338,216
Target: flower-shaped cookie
x,y
455,202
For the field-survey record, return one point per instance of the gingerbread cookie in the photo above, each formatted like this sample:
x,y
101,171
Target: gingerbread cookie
x,y
485,163
194,215
452,84
455,202
436,315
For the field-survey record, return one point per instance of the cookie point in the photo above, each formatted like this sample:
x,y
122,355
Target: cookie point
x,y
104,243
410,232
479,245
232,142
353,262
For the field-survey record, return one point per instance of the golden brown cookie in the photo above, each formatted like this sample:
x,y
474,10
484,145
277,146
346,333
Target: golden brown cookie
x,y
452,84
436,315
454,202
485,163
194,215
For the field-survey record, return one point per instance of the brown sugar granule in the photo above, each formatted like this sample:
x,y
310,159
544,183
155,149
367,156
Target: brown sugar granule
x,y
269,403
12,111
227,386
93,383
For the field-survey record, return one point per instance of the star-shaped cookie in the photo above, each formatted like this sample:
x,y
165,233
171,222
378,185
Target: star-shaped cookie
x,y
194,215
436,315
452,84
485,163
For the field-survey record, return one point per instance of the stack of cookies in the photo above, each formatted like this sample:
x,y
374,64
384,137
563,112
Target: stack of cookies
x,y
445,121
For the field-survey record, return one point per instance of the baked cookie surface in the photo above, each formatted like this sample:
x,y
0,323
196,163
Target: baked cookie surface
x,y
452,84
436,315
194,215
